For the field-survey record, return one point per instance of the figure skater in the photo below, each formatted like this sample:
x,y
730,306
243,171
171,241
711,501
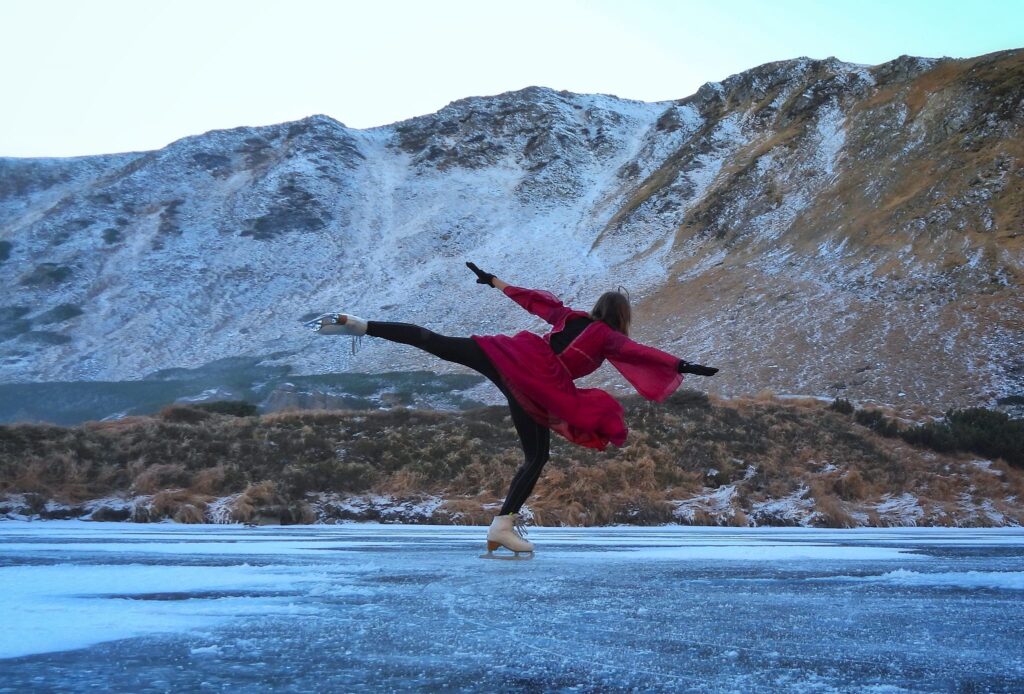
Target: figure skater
x,y
536,374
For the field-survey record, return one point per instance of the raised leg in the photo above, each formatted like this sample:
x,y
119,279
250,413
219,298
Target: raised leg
x,y
460,350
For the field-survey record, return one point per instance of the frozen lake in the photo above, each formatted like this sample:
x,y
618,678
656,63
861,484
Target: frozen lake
x,y
161,608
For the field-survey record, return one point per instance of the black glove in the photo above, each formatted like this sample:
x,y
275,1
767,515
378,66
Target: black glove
x,y
686,367
481,276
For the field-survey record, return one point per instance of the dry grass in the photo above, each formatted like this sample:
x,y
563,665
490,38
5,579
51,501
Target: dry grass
x,y
153,478
255,497
763,446
179,504
469,510
832,510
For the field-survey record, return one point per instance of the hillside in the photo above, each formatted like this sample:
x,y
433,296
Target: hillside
x,y
809,226
691,460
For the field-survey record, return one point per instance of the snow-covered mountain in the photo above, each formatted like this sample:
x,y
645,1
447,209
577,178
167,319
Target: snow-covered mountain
x,y
808,226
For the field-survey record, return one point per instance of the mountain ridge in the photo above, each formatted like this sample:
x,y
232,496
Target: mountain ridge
x,y
812,226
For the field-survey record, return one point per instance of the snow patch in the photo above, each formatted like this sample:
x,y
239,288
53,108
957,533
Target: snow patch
x,y
997,580
716,503
985,465
795,509
55,608
331,507
831,132
900,510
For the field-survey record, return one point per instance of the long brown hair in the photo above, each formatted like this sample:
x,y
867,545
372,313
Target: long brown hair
x,y
613,309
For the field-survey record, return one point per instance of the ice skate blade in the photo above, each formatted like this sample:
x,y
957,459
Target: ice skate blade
x,y
334,329
328,324
319,322
518,556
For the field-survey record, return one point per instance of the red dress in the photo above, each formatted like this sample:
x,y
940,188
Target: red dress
x,y
542,381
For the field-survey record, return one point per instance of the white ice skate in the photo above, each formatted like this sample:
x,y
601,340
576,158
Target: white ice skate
x,y
507,531
337,324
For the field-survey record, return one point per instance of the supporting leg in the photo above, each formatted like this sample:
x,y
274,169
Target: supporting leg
x,y
536,441
535,438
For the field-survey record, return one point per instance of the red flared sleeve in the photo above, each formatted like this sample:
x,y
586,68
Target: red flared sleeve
x,y
652,372
542,304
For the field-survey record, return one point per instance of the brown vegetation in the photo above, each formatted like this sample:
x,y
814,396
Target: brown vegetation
x,y
267,467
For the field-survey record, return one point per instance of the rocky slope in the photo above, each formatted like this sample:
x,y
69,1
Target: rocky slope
x,y
810,226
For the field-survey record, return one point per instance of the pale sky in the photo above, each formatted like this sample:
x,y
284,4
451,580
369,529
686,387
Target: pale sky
x,y
101,76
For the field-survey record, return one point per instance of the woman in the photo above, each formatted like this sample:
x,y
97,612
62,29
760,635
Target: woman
x,y
536,374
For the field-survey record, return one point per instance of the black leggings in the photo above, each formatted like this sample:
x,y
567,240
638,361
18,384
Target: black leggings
x,y
535,438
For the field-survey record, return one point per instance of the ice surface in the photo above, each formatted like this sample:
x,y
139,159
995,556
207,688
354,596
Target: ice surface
x,y
365,607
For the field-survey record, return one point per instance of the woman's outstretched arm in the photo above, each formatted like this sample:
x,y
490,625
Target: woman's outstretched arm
x,y
486,277
654,373
540,303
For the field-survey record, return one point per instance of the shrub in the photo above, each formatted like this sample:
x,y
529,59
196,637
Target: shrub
x,y
175,504
256,497
833,515
155,478
934,435
851,486
184,414
47,274
842,406
211,480
877,422
233,408
328,475
978,430
188,513
988,432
